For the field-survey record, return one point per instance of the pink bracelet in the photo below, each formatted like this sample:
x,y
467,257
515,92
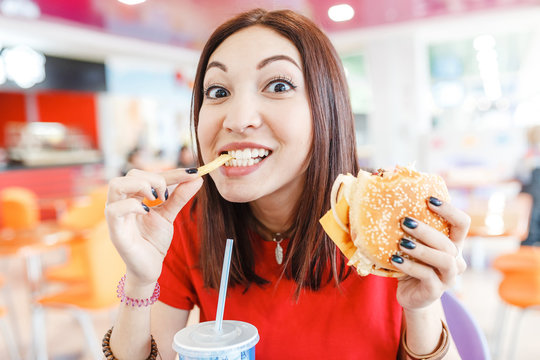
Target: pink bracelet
x,y
130,301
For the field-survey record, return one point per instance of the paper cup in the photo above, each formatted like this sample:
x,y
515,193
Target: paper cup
x,y
236,341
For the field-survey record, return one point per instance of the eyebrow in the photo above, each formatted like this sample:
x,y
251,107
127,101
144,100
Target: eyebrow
x,y
276,58
262,64
218,65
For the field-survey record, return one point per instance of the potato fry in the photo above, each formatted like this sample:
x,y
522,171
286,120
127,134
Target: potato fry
x,y
214,164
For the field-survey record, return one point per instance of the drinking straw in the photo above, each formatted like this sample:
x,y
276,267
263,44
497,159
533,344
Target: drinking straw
x,y
223,285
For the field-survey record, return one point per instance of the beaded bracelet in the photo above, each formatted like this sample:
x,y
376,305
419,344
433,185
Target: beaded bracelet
x,y
438,353
105,344
130,301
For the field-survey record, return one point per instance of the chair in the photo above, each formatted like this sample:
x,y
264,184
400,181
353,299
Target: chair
x,y
97,293
519,288
19,208
468,336
78,218
7,334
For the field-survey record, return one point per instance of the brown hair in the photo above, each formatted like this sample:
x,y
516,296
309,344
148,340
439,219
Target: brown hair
x,y
311,258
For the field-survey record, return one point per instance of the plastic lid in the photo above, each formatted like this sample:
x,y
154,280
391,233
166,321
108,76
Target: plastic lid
x,y
201,340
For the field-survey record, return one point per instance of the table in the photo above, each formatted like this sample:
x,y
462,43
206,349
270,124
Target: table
x,y
30,245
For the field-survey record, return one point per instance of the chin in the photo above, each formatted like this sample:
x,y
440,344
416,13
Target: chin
x,y
237,193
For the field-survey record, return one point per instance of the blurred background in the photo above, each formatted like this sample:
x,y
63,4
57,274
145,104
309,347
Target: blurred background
x,y
92,88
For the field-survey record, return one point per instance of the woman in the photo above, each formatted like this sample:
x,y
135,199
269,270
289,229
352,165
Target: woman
x,y
271,91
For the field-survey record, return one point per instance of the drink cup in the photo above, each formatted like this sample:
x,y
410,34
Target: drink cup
x,y
236,341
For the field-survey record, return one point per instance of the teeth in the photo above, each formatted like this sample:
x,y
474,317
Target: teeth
x,y
247,154
246,157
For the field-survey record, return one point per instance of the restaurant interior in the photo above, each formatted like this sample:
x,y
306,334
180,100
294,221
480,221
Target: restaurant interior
x,y
92,88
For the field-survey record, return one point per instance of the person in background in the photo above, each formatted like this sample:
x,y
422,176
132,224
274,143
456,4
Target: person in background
x,y
270,83
186,158
528,173
134,160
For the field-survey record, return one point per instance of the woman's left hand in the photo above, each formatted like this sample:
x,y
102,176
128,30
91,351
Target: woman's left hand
x,y
439,260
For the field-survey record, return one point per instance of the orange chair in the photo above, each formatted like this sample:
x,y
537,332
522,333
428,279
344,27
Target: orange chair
x,y
519,287
19,208
105,268
78,218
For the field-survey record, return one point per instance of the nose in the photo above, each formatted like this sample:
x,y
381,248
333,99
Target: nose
x,y
242,114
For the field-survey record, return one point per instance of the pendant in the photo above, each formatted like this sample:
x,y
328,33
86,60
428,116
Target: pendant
x,y
278,238
279,254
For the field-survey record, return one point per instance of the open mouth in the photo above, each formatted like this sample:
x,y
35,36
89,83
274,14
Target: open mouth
x,y
246,157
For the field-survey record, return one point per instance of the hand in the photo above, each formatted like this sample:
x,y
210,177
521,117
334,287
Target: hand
x,y
439,259
142,235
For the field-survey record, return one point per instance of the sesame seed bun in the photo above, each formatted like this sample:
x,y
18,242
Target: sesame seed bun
x,y
377,204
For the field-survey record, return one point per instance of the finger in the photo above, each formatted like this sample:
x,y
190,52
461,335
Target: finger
x,y
177,176
179,197
428,235
426,274
458,219
121,188
445,263
156,181
119,209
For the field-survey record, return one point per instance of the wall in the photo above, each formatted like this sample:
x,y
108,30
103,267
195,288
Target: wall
x,y
13,107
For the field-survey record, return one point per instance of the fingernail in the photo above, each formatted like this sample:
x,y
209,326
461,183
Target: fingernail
x,y
154,192
435,201
407,244
145,207
410,223
166,194
191,170
397,259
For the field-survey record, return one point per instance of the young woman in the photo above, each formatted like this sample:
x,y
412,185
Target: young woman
x,y
270,90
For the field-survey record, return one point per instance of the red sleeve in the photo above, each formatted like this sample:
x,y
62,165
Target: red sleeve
x,y
176,280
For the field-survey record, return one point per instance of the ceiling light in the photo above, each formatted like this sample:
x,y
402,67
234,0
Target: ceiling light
x,y
341,12
22,8
24,66
132,2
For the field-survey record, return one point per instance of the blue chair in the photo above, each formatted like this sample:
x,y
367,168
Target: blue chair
x,y
468,336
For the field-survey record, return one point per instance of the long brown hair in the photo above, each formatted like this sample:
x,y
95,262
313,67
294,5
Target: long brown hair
x,y
311,258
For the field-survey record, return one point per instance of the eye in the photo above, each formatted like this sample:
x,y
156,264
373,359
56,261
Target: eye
x,y
216,92
279,86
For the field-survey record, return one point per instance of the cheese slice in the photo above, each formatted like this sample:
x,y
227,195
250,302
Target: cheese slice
x,y
341,238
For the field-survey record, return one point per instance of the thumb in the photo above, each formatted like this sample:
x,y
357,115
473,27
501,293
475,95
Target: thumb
x,y
179,197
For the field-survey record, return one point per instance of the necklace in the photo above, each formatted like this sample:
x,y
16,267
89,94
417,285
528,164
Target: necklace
x,y
278,238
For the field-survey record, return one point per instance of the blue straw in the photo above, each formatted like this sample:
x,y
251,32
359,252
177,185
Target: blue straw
x,y
223,285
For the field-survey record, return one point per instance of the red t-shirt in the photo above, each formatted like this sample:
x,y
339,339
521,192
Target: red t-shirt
x,y
361,320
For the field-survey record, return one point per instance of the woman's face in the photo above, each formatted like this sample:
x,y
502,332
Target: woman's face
x,y
256,108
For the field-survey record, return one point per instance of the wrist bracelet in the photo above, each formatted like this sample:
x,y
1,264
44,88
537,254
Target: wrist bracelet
x,y
130,301
105,344
437,354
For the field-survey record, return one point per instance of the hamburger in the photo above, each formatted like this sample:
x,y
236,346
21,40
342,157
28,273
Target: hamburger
x,y
366,213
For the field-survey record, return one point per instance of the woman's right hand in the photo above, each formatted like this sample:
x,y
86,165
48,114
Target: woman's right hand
x,y
142,235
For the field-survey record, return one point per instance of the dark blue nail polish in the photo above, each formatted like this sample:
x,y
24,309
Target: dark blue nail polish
x,y
166,194
410,223
145,207
407,244
154,192
191,170
397,259
435,201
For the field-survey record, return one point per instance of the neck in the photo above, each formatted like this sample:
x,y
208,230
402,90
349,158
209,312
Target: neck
x,y
270,220
274,212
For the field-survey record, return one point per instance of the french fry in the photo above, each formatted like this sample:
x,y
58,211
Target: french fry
x,y
214,164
